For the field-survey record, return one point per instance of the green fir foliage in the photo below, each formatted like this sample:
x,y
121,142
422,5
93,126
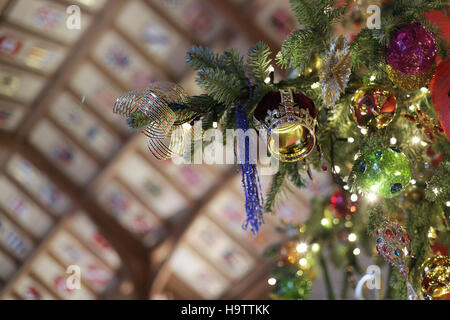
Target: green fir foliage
x,y
231,80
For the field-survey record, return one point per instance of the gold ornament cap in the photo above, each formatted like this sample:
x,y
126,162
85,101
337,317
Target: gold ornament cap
x,y
414,82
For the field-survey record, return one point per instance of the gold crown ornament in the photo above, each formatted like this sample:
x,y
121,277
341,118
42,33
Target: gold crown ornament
x,y
290,121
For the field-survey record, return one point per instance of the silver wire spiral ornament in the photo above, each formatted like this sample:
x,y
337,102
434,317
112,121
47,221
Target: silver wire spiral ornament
x,y
149,110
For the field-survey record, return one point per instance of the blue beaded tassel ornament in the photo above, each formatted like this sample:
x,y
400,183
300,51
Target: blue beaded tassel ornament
x,y
250,179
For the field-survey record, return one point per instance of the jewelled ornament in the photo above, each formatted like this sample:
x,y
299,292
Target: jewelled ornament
x,y
439,91
150,110
411,50
335,71
435,276
373,107
424,122
409,82
394,244
290,119
385,172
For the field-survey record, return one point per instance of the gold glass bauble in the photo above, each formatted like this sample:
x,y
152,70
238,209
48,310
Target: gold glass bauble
x,y
313,67
413,196
414,82
295,142
287,253
436,276
373,107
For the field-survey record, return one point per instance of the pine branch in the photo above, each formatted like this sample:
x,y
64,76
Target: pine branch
x,y
234,62
294,175
200,58
259,62
275,188
297,50
220,85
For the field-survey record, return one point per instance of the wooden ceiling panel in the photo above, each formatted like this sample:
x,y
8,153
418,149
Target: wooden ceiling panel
x,y
48,18
182,224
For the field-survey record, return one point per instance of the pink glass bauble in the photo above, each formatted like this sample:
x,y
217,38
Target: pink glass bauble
x,y
411,50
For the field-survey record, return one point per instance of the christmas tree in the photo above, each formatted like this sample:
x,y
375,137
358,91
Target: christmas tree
x,y
367,110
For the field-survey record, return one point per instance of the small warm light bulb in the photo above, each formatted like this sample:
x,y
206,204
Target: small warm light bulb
x,y
412,181
303,262
315,247
447,203
352,237
423,143
267,80
412,108
436,191
271,69
315,85
424,90
272,281
186,126
415,140
397,173
346,187
356,251
372,78
356,156
351,140
372,197
302,247
364,131
324,222
215,125
393,140
337,169
354,197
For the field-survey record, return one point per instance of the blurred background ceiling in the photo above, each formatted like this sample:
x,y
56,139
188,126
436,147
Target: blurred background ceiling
x,y
79,188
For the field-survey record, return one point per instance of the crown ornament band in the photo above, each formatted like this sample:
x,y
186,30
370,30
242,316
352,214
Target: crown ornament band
x,y
290,127
288,112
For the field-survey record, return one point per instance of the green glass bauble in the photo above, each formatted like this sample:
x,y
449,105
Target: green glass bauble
x,y
384,172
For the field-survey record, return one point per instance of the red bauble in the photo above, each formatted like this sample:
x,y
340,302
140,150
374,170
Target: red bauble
x,y
340,205
440,94
438,248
